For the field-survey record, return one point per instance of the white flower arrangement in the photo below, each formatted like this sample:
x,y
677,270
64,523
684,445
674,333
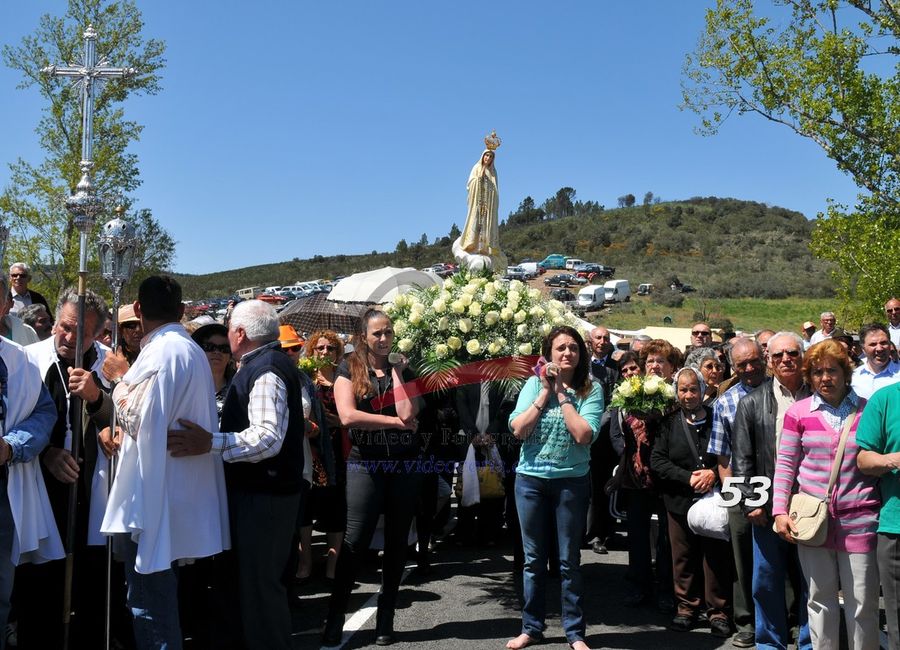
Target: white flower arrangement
x,y
644,395
473,318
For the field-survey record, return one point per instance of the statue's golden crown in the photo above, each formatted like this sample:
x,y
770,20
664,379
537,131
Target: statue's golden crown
x,y
492,141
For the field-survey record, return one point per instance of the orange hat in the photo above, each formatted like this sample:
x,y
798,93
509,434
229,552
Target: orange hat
x,y
127,315
288,336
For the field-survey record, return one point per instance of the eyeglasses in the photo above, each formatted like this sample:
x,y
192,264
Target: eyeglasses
x,y
224,348
793,354
18,275
701,333
749,363
131,325
891,310
293,350
326,348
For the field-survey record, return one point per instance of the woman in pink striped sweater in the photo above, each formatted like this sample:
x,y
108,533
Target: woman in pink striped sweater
x,y
806,453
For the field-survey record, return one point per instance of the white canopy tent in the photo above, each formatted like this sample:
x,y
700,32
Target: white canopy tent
x,y
381,285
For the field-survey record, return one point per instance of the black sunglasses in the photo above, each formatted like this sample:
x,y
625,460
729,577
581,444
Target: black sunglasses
x,y
793,354
224,348
701,333
130,325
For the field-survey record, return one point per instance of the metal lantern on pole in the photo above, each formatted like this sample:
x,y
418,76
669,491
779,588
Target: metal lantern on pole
x,y
118,244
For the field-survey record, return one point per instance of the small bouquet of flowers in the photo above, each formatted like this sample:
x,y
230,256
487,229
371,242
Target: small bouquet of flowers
x,y
644,396
309,365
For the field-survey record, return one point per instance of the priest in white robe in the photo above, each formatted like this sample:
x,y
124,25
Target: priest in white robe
x,y
166,508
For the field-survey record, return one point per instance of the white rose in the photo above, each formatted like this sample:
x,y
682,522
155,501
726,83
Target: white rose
x,y
497,284
545,329
516,285
533,293
556,304
457,306
559,320
439,306
652,385
506,313
446,295
480,281
470,289
669,391
513,296
415,318
401,301
465,299
465,325
521,330
488,297
443,323
474,309
491,318
404,345
441,351
473,346
525,349
520,316
454,343
400,327
494,347
625,390
537,311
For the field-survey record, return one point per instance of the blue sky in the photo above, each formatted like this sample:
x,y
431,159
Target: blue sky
x,y
288,129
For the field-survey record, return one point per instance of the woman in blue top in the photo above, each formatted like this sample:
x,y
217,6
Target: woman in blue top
x,y
557,417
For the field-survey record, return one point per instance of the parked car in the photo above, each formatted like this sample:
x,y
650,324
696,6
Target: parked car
x,y
514,273
562,294
532,270
564,280
572,262
686,288
644,289
592,270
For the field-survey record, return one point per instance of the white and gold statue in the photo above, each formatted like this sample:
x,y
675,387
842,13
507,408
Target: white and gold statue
x,y
479,245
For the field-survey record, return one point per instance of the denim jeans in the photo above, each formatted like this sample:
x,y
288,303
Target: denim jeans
x,y
773,560
567,499
153,601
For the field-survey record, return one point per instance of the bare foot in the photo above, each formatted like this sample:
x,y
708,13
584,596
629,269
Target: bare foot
x,y
579,645
521,641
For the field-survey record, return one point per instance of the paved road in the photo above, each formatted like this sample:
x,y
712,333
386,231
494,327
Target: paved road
x,y
470,602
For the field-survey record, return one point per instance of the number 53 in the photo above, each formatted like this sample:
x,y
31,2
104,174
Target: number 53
x,y
731,494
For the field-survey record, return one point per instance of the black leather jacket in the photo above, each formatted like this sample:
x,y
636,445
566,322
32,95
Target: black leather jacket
x,y
753,440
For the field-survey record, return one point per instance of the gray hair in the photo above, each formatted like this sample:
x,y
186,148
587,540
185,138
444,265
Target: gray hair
x,y
698,355
759,333
827,314
92,302
791,335
643,338
20,265
743,341
258,320
32,312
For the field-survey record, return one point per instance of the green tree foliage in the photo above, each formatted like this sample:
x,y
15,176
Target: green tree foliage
x,y
526,213
828,71
43,233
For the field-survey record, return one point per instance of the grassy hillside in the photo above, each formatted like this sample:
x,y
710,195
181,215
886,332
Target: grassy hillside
x,y
726,248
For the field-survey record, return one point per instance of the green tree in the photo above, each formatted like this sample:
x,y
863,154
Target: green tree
x,y
454,232
827,71
32,204
526,213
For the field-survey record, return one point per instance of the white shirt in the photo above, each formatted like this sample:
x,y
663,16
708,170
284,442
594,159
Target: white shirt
x,y
865,381
894,331
174,508
818,336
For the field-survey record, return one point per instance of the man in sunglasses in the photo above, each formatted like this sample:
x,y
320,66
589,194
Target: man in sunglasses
x,y
757,426
701,336
827,320
19,295
892,311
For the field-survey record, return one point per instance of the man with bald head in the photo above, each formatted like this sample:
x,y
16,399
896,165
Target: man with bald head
x,y
892,311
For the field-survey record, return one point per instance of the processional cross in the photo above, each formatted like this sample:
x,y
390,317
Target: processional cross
x,y
84,206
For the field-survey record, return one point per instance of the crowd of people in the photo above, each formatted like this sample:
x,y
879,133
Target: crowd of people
x,y
234,441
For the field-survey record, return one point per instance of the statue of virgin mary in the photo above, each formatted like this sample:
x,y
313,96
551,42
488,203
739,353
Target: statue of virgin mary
x,y
479,245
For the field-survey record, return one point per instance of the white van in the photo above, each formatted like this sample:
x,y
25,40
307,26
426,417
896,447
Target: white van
x,y
530,268
249,293
572,262
617,291
591,297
